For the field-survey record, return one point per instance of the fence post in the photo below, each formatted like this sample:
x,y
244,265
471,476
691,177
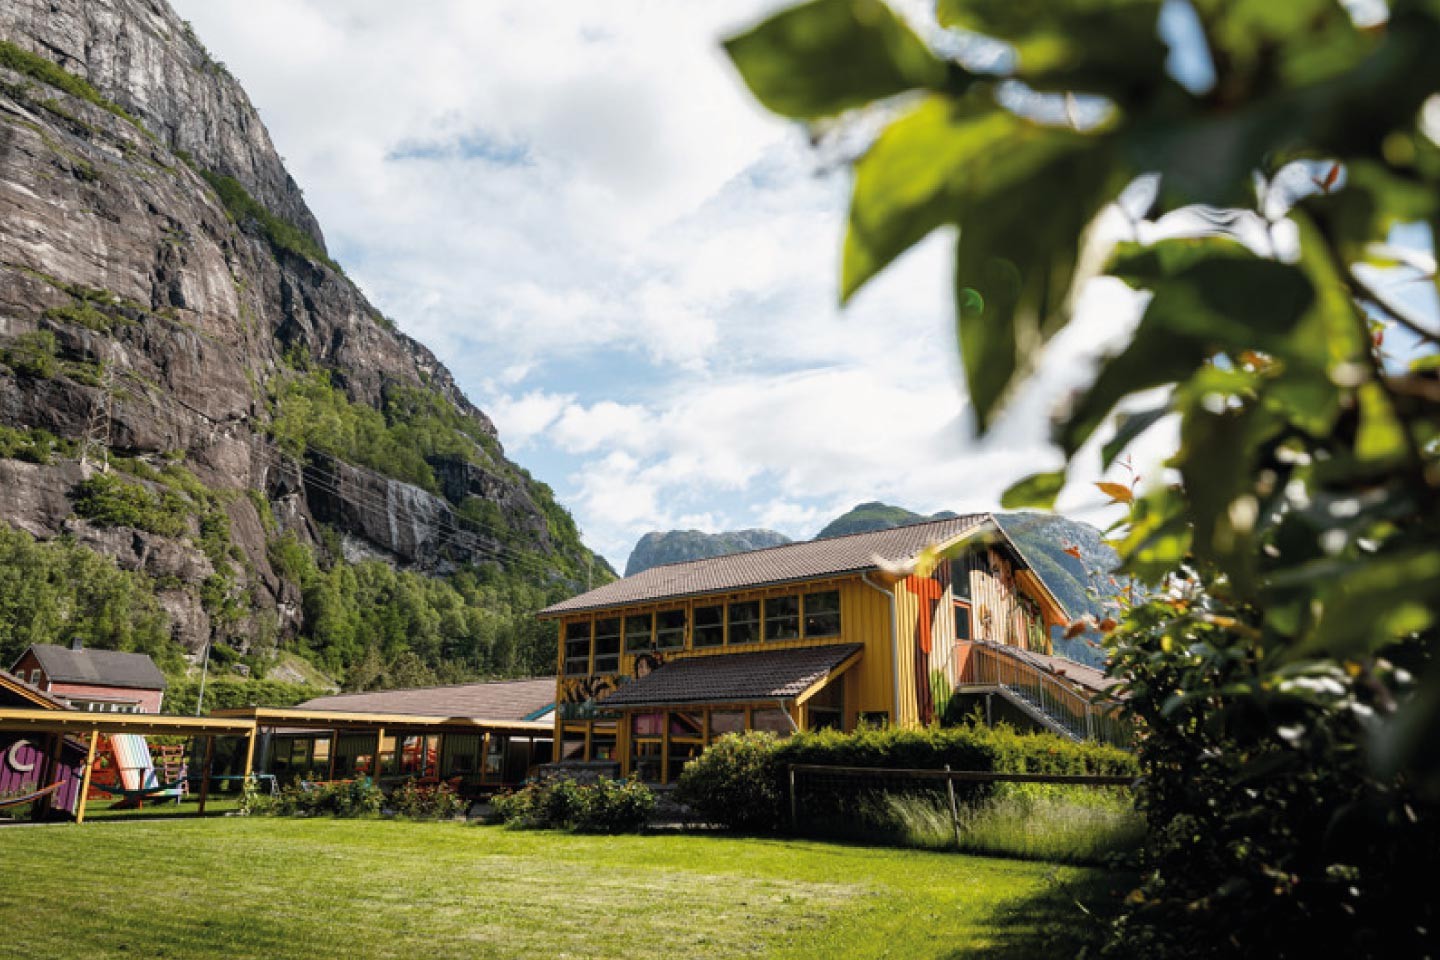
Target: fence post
x,y
954,810
794,813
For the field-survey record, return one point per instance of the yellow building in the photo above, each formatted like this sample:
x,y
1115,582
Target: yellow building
x,y
881,627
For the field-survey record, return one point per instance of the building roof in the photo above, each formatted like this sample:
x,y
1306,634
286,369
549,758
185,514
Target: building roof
x,y
498,700
12,688
809,560
102,668
735,678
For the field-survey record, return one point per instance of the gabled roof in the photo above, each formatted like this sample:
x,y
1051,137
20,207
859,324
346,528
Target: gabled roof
x,y
499,700
735,678
12,688
809,560
104,668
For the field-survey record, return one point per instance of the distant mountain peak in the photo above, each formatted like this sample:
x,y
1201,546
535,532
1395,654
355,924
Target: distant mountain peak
x,y
677,546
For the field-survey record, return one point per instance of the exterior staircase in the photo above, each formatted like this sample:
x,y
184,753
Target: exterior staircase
x,y
1054,703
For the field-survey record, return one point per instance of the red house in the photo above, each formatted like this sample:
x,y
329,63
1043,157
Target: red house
x,y
100,681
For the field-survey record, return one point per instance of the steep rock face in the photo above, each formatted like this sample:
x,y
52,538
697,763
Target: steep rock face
x,y
141,56
146,317
676,546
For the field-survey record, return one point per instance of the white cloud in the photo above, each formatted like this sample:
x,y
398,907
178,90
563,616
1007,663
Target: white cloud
x,y
629,264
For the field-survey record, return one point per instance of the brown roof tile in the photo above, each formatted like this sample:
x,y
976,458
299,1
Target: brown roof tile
x,y
499,700
793,561
734,678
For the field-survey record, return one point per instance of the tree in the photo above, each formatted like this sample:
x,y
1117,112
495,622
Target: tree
x,y
1284,676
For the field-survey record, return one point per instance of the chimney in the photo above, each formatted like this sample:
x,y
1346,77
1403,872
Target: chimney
x,y
77,643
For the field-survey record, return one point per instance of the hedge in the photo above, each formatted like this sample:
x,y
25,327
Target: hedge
x,y
742,780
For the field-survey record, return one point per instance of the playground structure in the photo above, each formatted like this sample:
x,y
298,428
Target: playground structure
x,y
125,767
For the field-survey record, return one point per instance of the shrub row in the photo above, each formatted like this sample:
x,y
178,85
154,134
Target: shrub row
x,y
742,780
605,806
357,798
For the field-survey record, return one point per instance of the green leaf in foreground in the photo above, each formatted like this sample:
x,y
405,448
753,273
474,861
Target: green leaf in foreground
x,y
1037,491
828,56
1111,47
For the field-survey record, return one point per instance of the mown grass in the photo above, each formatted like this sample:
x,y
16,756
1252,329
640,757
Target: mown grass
x,y
237,888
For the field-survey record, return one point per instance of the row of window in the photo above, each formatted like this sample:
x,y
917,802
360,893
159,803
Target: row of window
x,y
810,615
105,706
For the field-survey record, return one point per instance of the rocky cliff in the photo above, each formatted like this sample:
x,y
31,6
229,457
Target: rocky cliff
x,y
186,377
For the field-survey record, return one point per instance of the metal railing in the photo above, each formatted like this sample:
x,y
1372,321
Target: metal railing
x,y
1062,707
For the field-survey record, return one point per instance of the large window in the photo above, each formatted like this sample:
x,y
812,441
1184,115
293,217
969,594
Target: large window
x,y
607,645
782,618
822,614
670,629
639,632
744,622
577,648
709,626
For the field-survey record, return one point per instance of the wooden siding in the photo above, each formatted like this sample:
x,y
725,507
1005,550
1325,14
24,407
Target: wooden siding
x,y
864,619
996,614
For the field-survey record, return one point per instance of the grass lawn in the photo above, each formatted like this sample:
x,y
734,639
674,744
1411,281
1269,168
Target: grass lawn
x,y
235,888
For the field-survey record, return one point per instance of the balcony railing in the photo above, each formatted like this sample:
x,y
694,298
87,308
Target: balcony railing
x,y
1050,699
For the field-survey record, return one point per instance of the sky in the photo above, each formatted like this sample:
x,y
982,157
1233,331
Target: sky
x,y
632,268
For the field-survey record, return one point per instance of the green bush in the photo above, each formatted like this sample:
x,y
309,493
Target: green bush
x,y
605,806
356,798
426,802
282,235
735,782
33,354
112,501
33,445
742,780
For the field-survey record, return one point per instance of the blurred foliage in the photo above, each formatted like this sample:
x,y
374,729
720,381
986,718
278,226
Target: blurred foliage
x,y
1284,672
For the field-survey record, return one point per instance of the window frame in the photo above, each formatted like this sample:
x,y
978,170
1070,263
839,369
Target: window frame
x,y
964,613
805,614
731,622
611,659
625,634
695,627
570,660
683,629
767,619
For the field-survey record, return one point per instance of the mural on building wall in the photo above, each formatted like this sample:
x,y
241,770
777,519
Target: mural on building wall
x,y
999,611
927,592
24,769
580,697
